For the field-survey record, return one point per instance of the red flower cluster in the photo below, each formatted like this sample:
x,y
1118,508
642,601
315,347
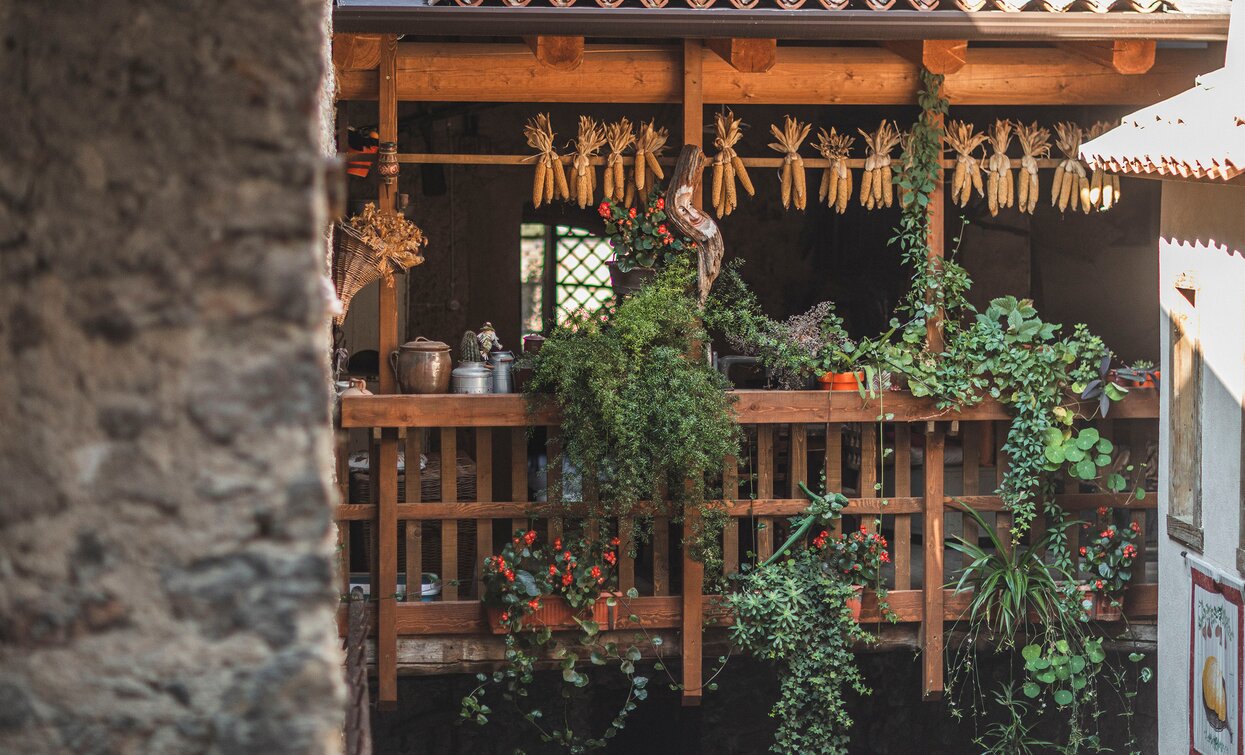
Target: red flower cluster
x,y
819,542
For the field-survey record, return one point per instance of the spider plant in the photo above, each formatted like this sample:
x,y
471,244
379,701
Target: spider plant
x,y
1009,583
1013,736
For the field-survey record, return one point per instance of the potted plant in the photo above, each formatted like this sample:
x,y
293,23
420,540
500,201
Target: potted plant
x,y
642,241
556,586
1108,558
858,557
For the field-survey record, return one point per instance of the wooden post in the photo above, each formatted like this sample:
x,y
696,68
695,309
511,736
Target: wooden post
x,y
932,621
902,546
387,501
937,212
693,571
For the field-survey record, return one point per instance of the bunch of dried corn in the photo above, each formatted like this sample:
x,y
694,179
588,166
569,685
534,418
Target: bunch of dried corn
x,y
1035,143
1071,184
727,167
648,147
619,136
1000,184
967,174
876,186
1104,188
587,144
550,179
836,179
790,137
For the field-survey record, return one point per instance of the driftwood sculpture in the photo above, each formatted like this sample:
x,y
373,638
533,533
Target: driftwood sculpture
x,y
691,221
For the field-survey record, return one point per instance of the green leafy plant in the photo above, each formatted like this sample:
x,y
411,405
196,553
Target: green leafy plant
x,y
640,236
793,610
1015,735
1108,556
1084,453
1062,670
516,583
858,556
639,413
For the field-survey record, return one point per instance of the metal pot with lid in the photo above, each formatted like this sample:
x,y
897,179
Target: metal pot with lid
x,y
422,366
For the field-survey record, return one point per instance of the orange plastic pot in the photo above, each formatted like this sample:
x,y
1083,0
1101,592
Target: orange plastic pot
x,y
556,614
856,602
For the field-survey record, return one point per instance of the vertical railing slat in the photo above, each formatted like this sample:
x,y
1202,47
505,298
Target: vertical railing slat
x,y
518,475
449,527
1003,519
484,494
730,533
903,522
932,615
413,528
386,597
765,489
834,466
869,470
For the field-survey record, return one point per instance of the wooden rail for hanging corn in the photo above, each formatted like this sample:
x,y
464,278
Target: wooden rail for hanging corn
x,y
1104,188
966,177
648,147
583,176
876,185
619,136
1071,185
549,182
790,137
727,167
1035,144
836,179
1000,184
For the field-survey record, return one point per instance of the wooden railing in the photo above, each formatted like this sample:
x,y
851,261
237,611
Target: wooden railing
x,y
496,445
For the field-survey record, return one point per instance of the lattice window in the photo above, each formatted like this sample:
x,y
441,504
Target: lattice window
x,y
580,280
583,280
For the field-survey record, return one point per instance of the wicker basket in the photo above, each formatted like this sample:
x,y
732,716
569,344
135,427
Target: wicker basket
x,y
355,264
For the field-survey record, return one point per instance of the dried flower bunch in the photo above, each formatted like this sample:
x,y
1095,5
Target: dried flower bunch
x,y
877,188
619,136
1000,184
727,167
1035,143
589,142
790,137
549,182
967,174
648,147
1071,183
1104,188
398,240
836,180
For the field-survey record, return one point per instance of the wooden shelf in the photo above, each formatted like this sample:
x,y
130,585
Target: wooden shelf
x,y
751,407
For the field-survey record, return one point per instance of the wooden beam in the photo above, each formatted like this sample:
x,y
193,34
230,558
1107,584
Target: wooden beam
x,y
942,56
461,72
387,99
1128,57
560,53
356,52
746,55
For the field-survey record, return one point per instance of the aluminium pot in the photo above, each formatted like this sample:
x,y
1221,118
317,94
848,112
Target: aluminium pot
x,y
472,377
422,366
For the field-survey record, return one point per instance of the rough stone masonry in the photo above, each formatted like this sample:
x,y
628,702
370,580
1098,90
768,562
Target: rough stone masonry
x,y
165,568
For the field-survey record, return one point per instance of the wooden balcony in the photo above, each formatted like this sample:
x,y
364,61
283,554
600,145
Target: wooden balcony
x,y
407,523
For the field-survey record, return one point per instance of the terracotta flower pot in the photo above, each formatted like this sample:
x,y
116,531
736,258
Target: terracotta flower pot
x,y
1101,607
841,381
856,602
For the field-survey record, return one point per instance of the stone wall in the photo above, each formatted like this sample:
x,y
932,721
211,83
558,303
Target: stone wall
x,y
165,568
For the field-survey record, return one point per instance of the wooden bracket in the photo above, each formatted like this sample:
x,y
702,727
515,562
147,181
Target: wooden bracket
x,y
941,56
356,52
746,55
561,53
1126,56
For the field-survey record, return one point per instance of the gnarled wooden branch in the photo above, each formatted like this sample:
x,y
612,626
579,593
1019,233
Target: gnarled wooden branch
x,y
691,221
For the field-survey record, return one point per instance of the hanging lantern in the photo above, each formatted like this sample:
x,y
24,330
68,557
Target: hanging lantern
x,y
387,163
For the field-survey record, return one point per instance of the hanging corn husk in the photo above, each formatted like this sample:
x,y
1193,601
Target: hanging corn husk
x,y
1104,188
876,186
790,137
549,182
1000,184
619,136
727,167
836,179
648,147
1035,143
967,174
1071,186
589,142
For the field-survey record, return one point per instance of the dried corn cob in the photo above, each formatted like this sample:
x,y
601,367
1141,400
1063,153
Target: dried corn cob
x,y
648,147
1104,188
550,179
732,167
836,179
1071,187
589,142
619,136
790,137
1035,143
877,186
966,176
1000,189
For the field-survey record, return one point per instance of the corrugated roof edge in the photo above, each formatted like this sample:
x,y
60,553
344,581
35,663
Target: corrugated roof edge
x,y
416,19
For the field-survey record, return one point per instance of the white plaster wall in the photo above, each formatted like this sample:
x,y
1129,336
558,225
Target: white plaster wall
x,y
1202,235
